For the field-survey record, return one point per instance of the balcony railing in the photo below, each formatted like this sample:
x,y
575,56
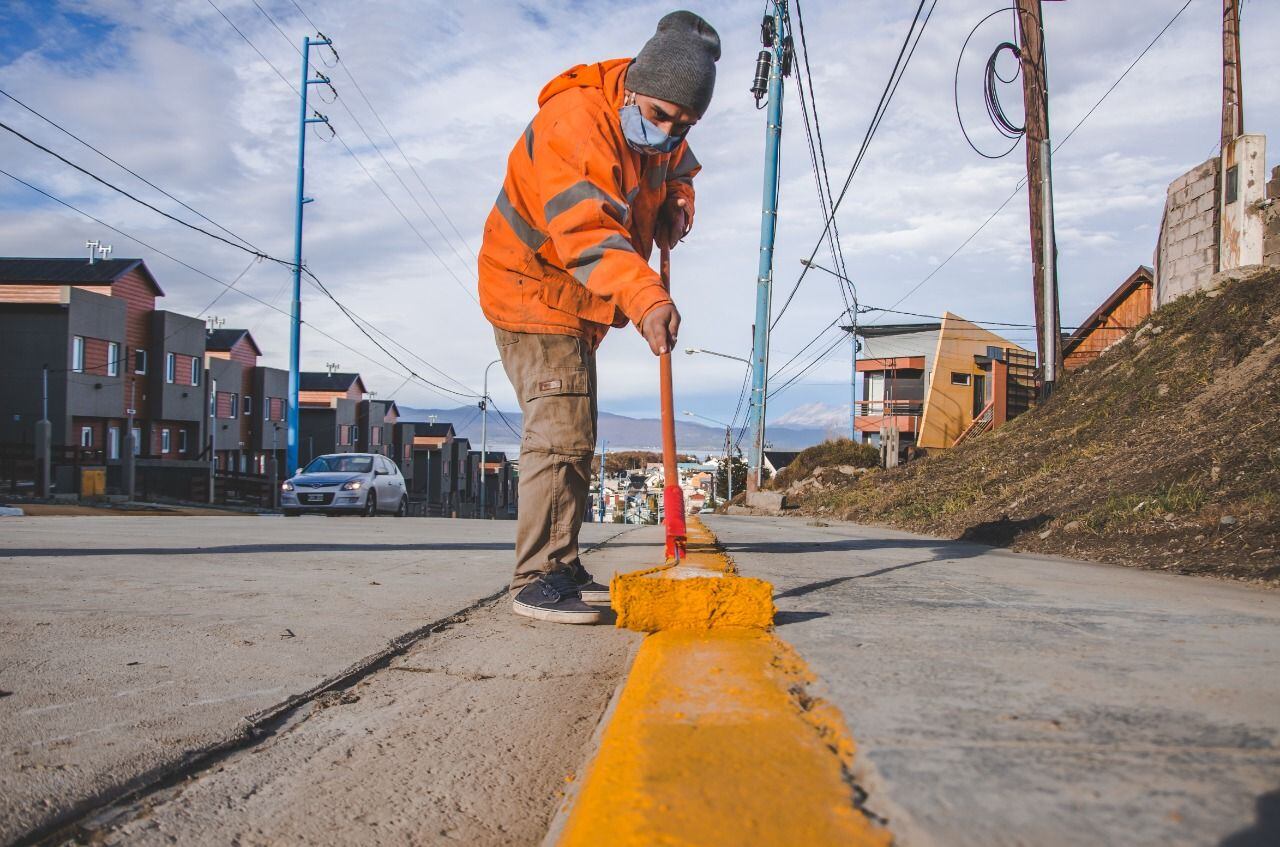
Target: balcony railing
x,y
889,407
873,415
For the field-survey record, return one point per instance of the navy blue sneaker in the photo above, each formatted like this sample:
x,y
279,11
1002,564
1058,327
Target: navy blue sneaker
x,y
591,591
554,597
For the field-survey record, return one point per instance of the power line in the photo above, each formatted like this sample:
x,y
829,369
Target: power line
x,y
126,169
256,254
1056,148
907,50
225,285
374,145
136,199
350,152
504,419
818,157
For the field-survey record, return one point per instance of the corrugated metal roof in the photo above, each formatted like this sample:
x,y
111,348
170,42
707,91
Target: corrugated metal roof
x,y
885,330
17,270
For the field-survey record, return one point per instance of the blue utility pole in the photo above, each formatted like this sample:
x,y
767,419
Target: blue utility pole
x,y
295,312
603,445
774,58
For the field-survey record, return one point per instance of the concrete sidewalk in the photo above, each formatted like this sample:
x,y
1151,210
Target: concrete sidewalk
x,y
126,643
1005,699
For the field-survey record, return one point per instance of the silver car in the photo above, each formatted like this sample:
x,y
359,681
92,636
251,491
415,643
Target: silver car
x,y
359,483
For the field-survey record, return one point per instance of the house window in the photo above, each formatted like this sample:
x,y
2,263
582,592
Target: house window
x,y
195,370
140,361
170,367
113,443
235,405
266,408
137,441
165,441
86,436
77,354
958,378
248,405
182,441
113,359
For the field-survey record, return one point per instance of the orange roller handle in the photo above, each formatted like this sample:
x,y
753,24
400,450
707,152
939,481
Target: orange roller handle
x,y
672,496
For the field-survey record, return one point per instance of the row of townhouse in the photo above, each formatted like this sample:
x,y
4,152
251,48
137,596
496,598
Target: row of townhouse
x,y
85,338
440,468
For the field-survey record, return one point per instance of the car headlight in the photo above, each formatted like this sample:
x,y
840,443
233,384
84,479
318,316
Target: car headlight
x,y
353,485
286,486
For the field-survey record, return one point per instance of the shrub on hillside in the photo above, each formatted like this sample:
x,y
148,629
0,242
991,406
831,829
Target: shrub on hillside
x,y
841,451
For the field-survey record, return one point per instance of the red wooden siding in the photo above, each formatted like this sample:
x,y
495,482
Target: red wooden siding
x,y
1117,322
224,404
242,351
95,356
140,301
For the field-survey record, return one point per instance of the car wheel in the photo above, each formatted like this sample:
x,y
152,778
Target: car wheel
x,y
371,505
291,513
403,510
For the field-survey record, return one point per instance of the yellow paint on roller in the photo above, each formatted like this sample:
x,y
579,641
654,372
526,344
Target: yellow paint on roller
x,y
714,743
703,592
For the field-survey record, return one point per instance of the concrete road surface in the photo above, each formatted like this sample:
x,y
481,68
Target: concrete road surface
x,y
1009,699
127,642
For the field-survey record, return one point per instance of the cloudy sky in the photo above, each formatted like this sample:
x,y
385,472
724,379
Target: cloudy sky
x,y
170,89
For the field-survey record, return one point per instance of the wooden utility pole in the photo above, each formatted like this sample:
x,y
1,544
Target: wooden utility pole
x,y
1232,79
1044,258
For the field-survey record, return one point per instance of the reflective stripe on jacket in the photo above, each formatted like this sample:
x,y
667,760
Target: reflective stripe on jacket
x,y
567,244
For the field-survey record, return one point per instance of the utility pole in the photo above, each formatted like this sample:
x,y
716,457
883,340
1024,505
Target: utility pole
x,y
1232,77
773,62
1044,251
603,445
295,312
44,436
484,437
728,463
129,462
213,426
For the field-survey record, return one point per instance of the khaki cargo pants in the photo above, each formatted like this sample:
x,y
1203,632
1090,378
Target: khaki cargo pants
x,y
555,378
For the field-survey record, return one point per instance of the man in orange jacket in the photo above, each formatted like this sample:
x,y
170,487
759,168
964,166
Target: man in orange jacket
x,y
601,172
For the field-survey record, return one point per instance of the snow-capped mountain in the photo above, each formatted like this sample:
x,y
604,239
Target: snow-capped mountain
x,y
815,416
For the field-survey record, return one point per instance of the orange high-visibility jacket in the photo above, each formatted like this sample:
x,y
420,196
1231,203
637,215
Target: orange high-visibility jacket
x,y
567,244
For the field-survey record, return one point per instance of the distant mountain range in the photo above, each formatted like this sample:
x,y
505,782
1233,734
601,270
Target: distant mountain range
x,y
619,431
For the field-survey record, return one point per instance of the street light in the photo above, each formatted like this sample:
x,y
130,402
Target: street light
x,y
728,460
853,339
691,350
484,437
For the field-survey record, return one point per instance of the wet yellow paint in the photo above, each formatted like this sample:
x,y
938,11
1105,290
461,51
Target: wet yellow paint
x,y
702,592
714,743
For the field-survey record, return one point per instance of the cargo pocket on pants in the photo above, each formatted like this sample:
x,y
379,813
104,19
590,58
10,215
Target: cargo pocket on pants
x,y
558,412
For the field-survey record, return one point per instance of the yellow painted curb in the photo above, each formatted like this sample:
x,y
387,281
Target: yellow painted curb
x,y
714,743
703,592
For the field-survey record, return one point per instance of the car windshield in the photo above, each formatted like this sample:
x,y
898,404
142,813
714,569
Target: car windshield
x,y
340,464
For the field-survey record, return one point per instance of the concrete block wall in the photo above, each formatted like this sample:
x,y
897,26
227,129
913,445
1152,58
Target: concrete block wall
x,y
1187,250
1271,216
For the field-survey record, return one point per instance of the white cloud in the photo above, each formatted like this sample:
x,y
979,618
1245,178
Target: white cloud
x,y
171,90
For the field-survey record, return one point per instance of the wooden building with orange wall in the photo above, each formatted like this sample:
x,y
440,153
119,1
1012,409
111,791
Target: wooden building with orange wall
x,y
1128,306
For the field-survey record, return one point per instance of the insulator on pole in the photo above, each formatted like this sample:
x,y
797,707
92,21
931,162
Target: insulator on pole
x,y
760,85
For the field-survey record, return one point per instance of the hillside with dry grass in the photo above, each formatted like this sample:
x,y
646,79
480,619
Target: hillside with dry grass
x,y
1164,453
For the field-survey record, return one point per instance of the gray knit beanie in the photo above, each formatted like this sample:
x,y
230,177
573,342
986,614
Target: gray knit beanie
x,y
679,63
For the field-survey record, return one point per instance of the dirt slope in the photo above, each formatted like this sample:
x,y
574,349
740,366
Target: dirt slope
x,y
1164,453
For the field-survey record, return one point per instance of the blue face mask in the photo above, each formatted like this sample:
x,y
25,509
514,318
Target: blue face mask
x,y
643,135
